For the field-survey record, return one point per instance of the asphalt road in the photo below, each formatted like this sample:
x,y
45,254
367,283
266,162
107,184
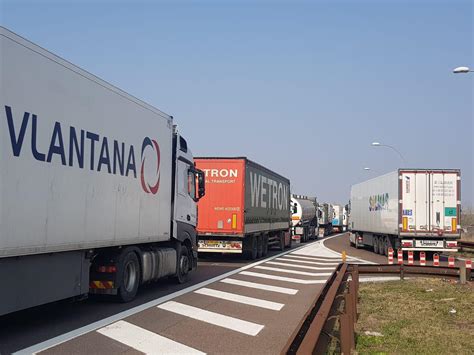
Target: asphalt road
x,y
26,328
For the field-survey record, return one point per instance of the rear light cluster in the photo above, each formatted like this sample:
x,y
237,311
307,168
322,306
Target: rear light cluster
x,y
107,269
407,243
451,244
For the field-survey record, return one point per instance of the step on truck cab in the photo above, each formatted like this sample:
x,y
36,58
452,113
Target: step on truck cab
x,y
411,209
98,190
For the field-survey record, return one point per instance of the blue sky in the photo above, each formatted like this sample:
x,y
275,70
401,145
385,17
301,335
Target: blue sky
x,y
300,87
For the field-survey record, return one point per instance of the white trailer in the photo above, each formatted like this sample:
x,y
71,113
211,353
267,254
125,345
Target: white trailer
x,y
325,216
411,209
345,218
97,189
303,218
338,218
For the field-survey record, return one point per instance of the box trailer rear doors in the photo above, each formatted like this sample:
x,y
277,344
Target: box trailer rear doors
x,y
430,202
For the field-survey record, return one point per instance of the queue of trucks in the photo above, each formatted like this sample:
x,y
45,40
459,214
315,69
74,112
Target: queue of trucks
x,y
99,193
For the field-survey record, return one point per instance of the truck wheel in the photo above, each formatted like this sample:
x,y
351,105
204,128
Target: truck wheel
x,y
184,263
259,246
250,251
375,242
382,246
281,241
129,277
265,245
386,245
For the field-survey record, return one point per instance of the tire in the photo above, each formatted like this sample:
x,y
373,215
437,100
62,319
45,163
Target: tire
x,y
251,248
129,276
259,246
265,245
386,243
382,246
184,264
281,242
375,242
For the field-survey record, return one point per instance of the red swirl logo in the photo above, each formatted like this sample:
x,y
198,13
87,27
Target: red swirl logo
x,y
147,187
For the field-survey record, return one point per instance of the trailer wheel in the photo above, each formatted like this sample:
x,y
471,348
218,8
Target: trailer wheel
x,y
281,241
129,276
265,245
375,242
259,246
250,248
184,263
382,246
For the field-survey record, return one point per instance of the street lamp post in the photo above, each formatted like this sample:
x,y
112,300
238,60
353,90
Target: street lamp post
x,y
377,144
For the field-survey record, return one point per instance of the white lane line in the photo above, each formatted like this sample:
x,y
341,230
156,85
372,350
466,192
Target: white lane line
x,y
220,320
300,266
307,262
143,340
287,291
277,269
240,299
282,278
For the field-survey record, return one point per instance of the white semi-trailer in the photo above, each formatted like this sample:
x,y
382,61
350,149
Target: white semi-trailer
x,y
345,218
303,218
338,218
97,189
411,209
325,216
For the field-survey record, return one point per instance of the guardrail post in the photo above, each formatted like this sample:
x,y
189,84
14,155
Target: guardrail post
x,y
353,296
346,334
462,274
350,312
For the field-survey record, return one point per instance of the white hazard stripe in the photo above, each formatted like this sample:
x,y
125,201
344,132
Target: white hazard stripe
x,y
282,278
259,286
307,262
300,266
256,302
296,272
220,320
321,261
143,340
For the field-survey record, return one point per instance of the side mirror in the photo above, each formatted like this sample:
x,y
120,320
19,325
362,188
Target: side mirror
x,y
201,183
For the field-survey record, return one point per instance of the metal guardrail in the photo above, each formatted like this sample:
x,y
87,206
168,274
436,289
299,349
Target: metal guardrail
x,y
465,245
337,302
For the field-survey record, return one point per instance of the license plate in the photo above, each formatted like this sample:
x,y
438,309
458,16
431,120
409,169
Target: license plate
x,y
429,243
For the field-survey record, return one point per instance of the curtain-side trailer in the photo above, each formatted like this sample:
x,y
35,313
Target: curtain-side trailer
x,y
411,209
246,209
97,189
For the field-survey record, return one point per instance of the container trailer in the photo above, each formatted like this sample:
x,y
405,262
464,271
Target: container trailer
x,y
97,188
303,218
411,209
246,209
